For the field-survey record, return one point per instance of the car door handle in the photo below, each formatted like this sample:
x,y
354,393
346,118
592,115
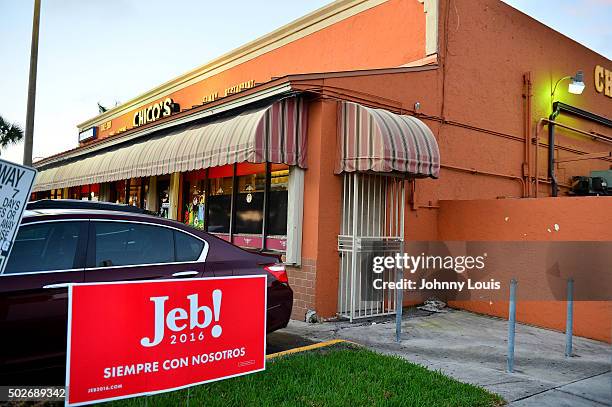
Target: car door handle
x,y
57,285
185,274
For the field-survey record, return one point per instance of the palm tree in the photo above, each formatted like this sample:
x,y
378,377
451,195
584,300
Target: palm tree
x,y
9,133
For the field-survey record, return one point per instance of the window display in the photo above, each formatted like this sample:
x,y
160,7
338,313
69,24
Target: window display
x,y
118,190
84,192
194,198
163,196
56,194
240,203
277,217
138,188
250,199
219,204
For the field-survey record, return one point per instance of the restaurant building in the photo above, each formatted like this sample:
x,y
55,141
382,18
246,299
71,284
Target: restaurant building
x,y
367,122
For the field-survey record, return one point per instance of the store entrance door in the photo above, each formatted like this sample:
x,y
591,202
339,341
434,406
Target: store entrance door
x,y
372,225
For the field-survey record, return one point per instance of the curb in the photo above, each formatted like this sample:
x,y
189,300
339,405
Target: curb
x,y
309,347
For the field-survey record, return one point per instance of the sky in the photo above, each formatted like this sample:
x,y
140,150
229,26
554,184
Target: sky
x,y
109,51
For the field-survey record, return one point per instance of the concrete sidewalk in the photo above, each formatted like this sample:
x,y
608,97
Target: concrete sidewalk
x,y
472,348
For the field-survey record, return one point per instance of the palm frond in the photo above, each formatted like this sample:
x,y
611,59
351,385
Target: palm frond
x,y
10,133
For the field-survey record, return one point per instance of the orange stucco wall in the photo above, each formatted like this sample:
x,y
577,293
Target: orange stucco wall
x,y
330,197
388,35
474,104
579,219
490,46
477,92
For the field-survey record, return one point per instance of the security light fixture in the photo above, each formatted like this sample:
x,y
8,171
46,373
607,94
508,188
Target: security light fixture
x,y
576,85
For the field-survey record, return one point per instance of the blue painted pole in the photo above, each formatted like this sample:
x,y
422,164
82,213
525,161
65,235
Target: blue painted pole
x,y
511,325
569,322
398,307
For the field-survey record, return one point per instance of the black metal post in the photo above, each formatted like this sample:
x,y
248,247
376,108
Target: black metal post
x,y
144,181
206,195
266,206
551,154
127,191
233,205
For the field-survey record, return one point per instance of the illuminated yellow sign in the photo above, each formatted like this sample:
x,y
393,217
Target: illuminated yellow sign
x,y
155,112
229,91
210,98
106,125
240,87
603,80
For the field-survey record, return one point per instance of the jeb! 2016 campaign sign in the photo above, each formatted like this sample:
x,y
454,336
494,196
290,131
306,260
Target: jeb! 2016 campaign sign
x,y
145,337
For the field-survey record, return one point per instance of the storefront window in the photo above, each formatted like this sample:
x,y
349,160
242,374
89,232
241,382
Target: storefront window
x,y
277,218
230,201
194,198
138,191
250,198
118,190
94,192
41,195
74,193
219,204
163,196
144,192
81,193
56,194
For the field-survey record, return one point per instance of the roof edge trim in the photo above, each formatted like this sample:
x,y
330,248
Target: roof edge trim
x,y
303,26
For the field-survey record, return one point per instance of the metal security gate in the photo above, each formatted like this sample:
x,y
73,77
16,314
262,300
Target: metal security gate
x,y
372,225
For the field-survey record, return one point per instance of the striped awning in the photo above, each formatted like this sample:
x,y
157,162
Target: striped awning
x,y
381,141
275,133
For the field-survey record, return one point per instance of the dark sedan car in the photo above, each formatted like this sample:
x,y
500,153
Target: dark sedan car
x,y
57,247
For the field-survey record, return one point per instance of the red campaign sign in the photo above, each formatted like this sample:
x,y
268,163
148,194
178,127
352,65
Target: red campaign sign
x,y
144,337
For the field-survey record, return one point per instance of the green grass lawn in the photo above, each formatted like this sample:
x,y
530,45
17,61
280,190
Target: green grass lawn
x,y
340,375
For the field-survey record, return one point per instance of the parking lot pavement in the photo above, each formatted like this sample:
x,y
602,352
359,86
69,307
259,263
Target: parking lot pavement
x,y
52,376
280,341
472,348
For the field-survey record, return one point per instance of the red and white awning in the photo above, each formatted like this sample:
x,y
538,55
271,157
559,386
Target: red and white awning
x,y
381,141
275,133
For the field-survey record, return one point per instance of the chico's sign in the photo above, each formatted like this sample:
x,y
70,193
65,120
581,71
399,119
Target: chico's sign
x,y
155,112
135,338
603,80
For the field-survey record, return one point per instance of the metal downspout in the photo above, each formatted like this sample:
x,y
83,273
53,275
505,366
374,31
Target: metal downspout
x,y
551,153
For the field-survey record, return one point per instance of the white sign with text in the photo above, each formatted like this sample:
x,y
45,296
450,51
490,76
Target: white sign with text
x,y
15,188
